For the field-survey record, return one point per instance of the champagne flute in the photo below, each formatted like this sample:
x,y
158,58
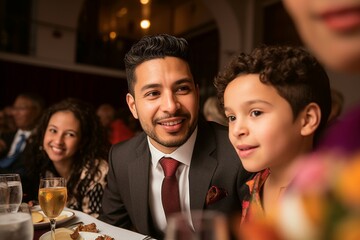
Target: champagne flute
x,y
15,191
52,199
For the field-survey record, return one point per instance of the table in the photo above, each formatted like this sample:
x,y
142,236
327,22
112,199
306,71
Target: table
x,y
104,228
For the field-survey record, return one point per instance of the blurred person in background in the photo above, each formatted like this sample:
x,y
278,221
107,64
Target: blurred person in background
x,y
115,126
4,127
213,112
26,111
10,118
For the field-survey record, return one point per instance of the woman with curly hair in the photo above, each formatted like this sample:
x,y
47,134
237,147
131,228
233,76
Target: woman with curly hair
x,y
70,143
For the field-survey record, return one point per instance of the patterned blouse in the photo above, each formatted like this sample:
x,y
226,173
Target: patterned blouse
x,y
252,204
91,190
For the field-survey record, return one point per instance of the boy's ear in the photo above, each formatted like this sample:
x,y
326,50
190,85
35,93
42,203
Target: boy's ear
x,y
311,117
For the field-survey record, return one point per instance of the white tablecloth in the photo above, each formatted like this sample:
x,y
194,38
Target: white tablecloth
x,y
104,228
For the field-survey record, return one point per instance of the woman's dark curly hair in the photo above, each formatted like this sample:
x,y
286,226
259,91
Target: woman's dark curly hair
x,y
297,76
93,145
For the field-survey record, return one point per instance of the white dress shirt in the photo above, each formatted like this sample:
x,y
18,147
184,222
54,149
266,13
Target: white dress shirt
x,y
17,139
183,154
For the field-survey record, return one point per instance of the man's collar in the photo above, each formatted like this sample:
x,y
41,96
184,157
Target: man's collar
x,y
182,154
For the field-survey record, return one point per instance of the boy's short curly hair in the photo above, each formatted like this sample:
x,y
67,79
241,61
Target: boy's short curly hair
x,y
296,75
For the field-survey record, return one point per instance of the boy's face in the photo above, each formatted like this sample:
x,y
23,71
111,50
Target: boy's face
x,y
166,102
261,125
331,29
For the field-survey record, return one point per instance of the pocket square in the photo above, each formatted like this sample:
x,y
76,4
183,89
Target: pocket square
x,y
215,194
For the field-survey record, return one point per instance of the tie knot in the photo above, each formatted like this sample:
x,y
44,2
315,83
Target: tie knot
x,y
169,166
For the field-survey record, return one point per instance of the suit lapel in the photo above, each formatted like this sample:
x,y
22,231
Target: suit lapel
x,y
139,181
203,166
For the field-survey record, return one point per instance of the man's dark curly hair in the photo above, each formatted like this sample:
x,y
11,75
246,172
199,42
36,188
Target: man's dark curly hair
x,y
152,47
296,75
92,146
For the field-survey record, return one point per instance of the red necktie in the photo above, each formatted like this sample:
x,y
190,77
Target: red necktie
x,y
170,187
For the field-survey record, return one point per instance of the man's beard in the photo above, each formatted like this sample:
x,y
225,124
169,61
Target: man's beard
x,y
171,143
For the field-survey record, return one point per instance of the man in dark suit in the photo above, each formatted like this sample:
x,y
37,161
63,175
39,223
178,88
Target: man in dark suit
x,y
165,99
27,110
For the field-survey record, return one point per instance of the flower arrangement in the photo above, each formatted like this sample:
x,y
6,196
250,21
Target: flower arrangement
x,y
324,199
322,203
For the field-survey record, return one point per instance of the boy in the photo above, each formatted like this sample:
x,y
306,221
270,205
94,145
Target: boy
x,y
277,101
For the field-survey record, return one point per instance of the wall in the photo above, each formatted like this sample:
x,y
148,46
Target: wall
x,y
54,29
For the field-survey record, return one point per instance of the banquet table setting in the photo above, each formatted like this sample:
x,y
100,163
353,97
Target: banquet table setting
x,y
51,217
74,217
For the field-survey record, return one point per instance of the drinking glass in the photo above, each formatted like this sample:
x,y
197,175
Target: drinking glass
x,y
52,199
4,195
15,191
206,225
14,226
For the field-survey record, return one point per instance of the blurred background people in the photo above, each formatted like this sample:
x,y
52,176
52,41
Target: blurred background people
x,y
106,114
69,142
26,111
213,112
8,110
117,129
4,127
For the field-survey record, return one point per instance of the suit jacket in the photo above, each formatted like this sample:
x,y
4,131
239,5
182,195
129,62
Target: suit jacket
x,y
30,185
8,138
214,163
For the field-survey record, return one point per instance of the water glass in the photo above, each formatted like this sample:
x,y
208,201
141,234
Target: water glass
x,y
15,192
4,195
18,225
206,225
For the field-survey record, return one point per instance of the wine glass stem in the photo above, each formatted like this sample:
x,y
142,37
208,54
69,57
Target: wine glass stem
x,y
53,225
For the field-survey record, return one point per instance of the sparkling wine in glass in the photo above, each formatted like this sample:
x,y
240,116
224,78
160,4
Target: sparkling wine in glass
x,y
14,191
52,199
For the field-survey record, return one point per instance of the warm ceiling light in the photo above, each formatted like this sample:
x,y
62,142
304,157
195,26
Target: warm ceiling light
x,y
144,2
112,35
145,24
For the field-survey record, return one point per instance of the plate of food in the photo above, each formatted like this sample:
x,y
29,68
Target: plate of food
x,y
82,232
40,220
68,234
